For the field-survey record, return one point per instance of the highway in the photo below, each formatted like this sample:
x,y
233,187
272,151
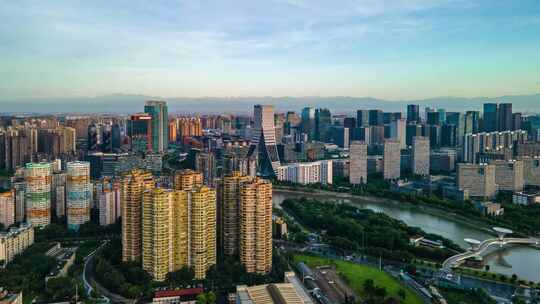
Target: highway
x,y
457,259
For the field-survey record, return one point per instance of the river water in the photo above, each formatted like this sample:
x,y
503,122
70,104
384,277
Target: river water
x,y
520,260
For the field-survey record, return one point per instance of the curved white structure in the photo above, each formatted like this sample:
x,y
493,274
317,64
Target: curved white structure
x,y
474,243
457,259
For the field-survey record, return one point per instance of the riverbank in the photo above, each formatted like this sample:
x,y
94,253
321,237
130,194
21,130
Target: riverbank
x,y
443,213
519,260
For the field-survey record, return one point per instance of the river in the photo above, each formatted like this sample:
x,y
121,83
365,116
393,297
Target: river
x,y
520,260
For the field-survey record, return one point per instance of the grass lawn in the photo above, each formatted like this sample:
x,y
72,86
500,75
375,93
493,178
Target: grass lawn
x,y
356,274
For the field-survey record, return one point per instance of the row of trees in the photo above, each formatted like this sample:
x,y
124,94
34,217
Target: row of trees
x,y
131,281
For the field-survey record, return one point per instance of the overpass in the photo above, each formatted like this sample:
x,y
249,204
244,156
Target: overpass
x,y
479,248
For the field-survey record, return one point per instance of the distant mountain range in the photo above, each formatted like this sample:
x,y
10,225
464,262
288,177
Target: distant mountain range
x,y
123,103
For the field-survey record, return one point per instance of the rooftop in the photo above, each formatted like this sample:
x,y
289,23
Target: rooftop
x,y
278,293
178,293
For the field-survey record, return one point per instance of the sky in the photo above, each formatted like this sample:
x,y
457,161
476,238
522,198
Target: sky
x,y
401,49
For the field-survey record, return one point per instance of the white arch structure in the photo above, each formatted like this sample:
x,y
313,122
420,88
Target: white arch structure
x,y
481,247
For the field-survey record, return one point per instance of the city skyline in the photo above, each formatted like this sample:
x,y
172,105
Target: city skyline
x,y
222,200
386,49
270,152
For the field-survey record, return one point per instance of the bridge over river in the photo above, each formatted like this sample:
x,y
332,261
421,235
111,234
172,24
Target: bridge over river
x,y
479,248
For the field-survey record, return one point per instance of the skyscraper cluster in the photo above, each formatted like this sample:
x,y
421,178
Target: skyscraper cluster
x,y
188,126
24,143
128,168
166,229
246,221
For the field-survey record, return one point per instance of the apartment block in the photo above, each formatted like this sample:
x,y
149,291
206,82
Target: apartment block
x,y
38,193
256,226
187,179
531,168
133,185
509,175
14,241
420,156
7,208
78,194
392,159
202,232
478,179
229,195
358,163
306,173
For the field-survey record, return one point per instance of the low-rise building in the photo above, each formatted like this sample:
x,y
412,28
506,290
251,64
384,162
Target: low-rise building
x,y
453,192
490,208
14,242
181,296
525,198
7,297
407,187
306,173
275,293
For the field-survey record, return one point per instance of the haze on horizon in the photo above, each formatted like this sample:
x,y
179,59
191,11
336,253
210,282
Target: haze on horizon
x,y
401,49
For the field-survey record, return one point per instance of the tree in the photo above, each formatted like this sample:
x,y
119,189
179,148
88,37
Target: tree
x,y
368,286
206,298
381,292
181,277
60,288
402,295
211,297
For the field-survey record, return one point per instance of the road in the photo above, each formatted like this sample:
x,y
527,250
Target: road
x,y
90,282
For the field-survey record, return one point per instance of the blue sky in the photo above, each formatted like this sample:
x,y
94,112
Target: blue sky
x,y
402,49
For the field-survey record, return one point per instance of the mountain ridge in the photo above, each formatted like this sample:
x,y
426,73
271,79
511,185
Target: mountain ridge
x,y
123,103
